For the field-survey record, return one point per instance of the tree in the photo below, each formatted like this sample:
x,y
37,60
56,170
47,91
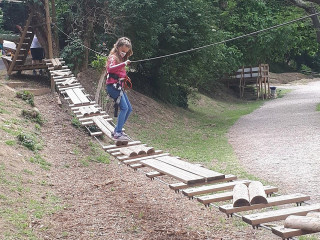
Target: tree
x,y
310,8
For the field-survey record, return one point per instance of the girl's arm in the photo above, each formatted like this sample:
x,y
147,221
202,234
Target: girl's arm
x,y
112,65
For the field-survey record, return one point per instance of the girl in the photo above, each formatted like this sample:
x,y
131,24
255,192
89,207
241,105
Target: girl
x,y
116,73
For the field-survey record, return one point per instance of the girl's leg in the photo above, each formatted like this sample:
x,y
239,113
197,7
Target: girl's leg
x,y
114,93
129,107
124,108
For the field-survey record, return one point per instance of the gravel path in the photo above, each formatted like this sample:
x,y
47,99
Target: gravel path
x,y
280,142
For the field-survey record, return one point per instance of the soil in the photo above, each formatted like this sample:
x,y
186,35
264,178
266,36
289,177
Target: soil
x,y
83,199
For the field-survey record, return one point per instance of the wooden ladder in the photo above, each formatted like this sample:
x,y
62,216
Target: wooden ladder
x,y
23,47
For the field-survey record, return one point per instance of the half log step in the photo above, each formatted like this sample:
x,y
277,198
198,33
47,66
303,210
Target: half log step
x,y
277,215
172,171
220,197
272,201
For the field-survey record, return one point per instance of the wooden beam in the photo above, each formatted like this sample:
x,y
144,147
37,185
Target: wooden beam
x,y
46,4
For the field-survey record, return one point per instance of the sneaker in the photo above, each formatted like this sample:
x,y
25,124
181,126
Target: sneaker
x,y
120,137
34,72
41,72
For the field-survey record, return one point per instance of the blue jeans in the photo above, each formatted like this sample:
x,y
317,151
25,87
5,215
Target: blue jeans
x,y
125,107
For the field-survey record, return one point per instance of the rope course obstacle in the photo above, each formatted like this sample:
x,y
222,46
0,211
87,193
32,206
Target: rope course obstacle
x,y
196,182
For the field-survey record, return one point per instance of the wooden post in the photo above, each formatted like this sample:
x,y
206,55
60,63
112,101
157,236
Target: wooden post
x,y
50,50
55,32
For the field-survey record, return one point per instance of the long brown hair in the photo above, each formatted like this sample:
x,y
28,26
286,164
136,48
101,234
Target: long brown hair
x,y
124,41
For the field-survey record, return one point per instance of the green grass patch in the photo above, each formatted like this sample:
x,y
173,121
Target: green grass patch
x,y
75,122
199,134
97,154
10,142
318,107
282,92
3,111
40,161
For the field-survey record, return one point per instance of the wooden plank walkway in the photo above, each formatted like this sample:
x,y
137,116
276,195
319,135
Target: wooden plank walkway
x,y
194,181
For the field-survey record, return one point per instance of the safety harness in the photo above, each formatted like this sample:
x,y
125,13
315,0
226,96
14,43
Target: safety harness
x,y
122,84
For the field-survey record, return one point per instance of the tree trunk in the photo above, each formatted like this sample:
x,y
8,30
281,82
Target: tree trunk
x,y
310,9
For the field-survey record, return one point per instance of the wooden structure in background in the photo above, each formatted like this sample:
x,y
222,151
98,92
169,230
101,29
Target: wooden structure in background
x,y
258,77
17,60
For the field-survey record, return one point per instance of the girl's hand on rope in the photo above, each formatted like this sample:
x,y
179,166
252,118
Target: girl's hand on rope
x,y
127,62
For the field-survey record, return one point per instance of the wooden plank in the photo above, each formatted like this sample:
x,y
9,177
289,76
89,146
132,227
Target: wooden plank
x,y
102,127
106,123
180,186
154,174
139,159
208,174
136,166
172,171
81,95
113,146
74,98
277,215
219,197
272,201
286,233
104,116
190,192
123,158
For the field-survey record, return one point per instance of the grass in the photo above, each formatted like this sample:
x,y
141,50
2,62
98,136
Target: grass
x,y
200,133
318,107
41,161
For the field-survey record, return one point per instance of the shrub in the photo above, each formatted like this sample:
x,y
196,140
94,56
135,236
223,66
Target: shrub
x,y
33,115
26,96
27,140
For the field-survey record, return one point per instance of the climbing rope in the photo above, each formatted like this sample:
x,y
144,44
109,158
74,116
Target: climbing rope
x,y
202,47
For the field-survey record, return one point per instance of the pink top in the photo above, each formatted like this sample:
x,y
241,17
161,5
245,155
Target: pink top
x,y
116,68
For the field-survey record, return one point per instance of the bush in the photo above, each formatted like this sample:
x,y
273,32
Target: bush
x,y
28,141
100,63
33,115
26,96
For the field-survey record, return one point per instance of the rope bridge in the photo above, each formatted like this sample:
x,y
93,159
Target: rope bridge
x,y
192,180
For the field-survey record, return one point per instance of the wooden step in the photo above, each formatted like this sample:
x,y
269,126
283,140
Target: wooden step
x,y
219,197
123,158
286,233
277,215
154,174
138,160
115,147
209,175
212,188
179,186
77,96
273,201
172,171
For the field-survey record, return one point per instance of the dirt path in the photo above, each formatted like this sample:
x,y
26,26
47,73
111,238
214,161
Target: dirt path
x,y
280,142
